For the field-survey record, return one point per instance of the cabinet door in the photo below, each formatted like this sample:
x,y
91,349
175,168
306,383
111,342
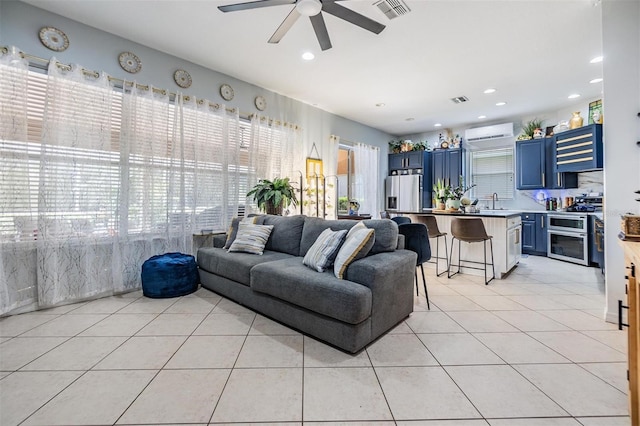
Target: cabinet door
x,y
556,179
541,234
579,150
438,165
528,235
396,161
414,159
454,166
530,164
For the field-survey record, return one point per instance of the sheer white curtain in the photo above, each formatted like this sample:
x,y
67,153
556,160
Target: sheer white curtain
x,y
271,151
367,165
331,173
17,221
77,195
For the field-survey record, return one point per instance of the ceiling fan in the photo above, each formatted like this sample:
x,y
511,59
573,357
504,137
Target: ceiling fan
x,y
312,9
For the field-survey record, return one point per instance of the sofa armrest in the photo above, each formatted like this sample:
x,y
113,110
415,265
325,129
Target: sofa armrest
x,y
390,277
219,240
400,242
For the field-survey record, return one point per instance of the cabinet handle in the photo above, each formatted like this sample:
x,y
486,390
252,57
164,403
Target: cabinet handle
x,y
558,179
544,181
541,221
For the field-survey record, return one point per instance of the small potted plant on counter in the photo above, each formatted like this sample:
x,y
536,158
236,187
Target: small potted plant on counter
x,y
456,193
441,194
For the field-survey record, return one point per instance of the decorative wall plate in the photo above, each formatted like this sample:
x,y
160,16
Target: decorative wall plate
x,y
226,92
130,62
261,103
53,39
182,78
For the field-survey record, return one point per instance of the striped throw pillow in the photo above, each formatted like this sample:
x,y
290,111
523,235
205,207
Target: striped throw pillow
x,y
357,245
251,238
233,228
322,253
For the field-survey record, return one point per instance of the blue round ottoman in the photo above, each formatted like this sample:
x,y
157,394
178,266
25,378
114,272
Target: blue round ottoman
x,y
169,275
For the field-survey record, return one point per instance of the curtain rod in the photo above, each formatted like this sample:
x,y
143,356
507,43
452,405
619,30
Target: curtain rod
x,y
119,82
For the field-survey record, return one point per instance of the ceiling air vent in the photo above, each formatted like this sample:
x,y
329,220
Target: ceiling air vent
x,y
459,99
392,8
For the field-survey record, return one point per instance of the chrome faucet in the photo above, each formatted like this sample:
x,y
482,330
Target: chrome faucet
x,y
494,198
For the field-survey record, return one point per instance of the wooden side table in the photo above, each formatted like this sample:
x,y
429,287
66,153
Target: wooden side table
x,y
203,240
632,257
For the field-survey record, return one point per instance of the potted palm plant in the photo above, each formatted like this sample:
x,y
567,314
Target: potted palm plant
x,y
272,196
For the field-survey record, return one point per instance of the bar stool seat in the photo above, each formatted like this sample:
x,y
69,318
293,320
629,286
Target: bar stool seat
x,y
434,232
471,230
401,220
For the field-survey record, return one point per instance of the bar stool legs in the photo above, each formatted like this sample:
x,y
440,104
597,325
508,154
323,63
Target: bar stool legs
x,y
446,250
424,283
485,264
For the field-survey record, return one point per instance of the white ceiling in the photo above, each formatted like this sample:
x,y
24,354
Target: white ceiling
x,y
535,53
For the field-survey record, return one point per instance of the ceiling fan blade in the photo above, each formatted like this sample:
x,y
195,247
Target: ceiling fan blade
x,y
321,31
254,5
350,16
286,25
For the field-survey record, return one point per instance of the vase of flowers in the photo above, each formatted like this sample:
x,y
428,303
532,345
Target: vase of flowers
x,y
456,193
440,194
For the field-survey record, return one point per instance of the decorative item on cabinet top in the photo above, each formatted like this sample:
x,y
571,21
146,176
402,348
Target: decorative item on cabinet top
x,y
53,39
182,78
595,112
130,62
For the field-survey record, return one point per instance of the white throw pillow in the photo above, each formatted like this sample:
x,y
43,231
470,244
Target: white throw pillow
x,y
251,238
357,245
322,253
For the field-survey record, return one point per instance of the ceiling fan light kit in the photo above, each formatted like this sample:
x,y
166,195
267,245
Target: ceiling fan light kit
x,y
313,9
309,7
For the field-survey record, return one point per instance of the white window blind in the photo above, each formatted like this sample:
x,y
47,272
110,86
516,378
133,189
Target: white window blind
x,y
492,171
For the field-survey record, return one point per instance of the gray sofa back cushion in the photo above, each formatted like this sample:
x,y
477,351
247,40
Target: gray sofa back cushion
x,y
286,234
386,232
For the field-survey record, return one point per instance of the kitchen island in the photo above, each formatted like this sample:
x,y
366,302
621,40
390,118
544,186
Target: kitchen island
x,y
504,225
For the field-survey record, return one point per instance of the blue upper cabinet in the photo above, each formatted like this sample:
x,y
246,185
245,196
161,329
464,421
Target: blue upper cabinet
x,y
446,165
579,150
530,164
406,160
536,166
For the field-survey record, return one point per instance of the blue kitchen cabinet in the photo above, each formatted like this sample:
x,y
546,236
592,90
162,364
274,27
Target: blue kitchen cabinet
x,y
447,165
579,150
406,160
530,164
534,233
536,166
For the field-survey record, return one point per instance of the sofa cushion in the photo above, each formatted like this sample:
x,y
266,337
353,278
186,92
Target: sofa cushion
x,y
313,227
286,234
357,245
289,280
251,238
386,235
234,266
324,251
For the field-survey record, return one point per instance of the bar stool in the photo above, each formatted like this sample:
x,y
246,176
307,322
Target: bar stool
x,y
401,220
434,232
471,230
416,239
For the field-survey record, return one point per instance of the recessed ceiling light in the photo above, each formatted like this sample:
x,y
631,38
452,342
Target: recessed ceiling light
x,y
482,116
307,56
381,104
574,95
596,60
437,125
501,103
409,119
489,91
595,80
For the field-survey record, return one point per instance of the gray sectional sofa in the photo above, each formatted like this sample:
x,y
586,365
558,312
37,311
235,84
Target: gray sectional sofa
x,y
376,294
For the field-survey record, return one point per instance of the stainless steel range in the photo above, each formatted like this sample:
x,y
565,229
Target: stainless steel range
x,y
568,233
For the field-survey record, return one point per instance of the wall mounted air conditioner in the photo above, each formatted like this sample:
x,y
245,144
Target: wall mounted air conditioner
x,y
497,131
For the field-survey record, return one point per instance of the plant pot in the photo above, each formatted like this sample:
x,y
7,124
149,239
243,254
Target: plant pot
x,y
453,204
441,206
270,208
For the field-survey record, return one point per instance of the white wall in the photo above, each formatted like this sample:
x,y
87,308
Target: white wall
x,y
621,48
99,50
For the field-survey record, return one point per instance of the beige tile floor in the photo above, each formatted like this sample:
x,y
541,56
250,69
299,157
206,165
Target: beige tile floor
x,y
528,350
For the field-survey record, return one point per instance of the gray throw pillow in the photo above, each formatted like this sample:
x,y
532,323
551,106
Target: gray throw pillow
x,y
323,252
251,238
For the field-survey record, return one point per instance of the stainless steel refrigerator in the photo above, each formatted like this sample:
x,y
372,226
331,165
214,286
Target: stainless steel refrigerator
x,y
404,193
